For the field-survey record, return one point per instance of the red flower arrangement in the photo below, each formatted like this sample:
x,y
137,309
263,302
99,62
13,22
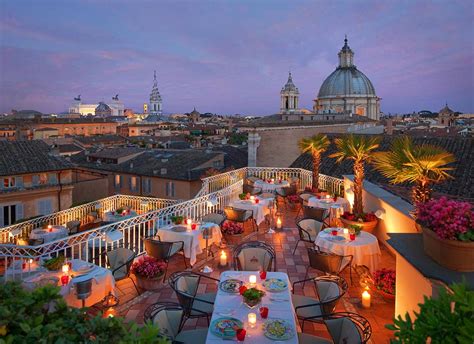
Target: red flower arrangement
x,y
364,217
232,228
384,280
148,267
449,219
293,198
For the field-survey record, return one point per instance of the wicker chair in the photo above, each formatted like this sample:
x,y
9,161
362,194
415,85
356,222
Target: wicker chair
x,y
164,250
308,230
320,214
73,226
186,284
347,327
120,261
329,289
168,317
240,215
254,256
329,263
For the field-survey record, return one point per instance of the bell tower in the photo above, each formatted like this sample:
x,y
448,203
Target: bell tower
x,y
289,97
156,102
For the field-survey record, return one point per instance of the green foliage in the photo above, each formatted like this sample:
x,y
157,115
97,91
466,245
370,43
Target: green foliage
x,y
446,319
356,229
253,294
54,264
315,144
177,219
237,138
42,316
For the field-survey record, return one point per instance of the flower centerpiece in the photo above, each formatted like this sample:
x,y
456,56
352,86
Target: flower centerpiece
x,y
149,272
448,232
232,231
363,221
251,296
384,282
177,219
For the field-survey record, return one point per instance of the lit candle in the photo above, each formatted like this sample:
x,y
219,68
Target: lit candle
x,y
366,299
272,180
252,280
252,319
278,223
223,258
346,232
109,313
252,198
328,196
30,261
189,222
65,268
49,226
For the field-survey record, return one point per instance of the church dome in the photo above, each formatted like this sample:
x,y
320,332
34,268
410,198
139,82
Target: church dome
x,y
346,81
102,107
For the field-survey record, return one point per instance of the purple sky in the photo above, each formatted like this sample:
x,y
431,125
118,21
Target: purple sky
x,y
232,56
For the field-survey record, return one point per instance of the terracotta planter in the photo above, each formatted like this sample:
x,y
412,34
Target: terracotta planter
x,y
233,239
149,284
452,254
366,226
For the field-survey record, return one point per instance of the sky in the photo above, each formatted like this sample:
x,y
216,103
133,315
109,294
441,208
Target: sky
x,y
232,56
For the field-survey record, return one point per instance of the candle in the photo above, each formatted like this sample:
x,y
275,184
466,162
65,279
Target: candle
x,y
278,223
252,318
252,280
366,299
252,198
328,196
109,313
223,259
272,180
65,268
189,221
50,228
30,261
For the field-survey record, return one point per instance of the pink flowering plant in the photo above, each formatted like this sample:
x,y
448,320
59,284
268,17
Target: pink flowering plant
x,y
293,198
384,280
232,228
449,219
148,267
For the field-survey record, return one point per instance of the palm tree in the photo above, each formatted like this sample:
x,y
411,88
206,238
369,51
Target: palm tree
x,y
422,165
358,149
315,145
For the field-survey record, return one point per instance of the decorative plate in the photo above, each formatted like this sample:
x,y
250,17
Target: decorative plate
x,y
226,327
275,284
336,238
278,329
179,228
231,285
84,269
40,232
329,230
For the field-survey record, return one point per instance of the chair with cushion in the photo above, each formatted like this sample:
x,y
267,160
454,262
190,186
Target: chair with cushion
x,y
251,180
253,190
329,263
348,328
164,250
303,200
73,226
216,218
168,317
329,290
254,256
120,261
308,230
305,338
320,214
283,193
35,242
83,290
239,215
186,284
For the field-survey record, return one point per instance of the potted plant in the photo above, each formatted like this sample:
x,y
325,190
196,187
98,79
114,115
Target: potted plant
x,y
383,282
177,219
315,145
149,272
446,318
363,221
232,231
358,149
251,296
242,196
293,200
422,165
448,232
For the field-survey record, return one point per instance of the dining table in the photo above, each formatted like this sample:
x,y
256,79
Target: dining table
x,y
194,240
271,186
364,249
49,234
328,203
228,304
259,210
110,216
103,282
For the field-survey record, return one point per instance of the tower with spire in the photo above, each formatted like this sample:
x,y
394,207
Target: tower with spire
x,y
346,56
289,97
156,102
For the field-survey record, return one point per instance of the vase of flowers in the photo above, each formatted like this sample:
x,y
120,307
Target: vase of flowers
x,y
177,219
367,221
293,200
383,282
149,272
448,232
251,296
232,232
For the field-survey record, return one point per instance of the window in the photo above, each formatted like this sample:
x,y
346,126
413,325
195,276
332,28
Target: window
x,y
45,206
9,182
43,178
133,184
170,192
117,181
146,185
217,164
9,214
53,178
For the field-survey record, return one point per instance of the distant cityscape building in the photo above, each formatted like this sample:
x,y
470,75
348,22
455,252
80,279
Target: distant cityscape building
x,y
446,116
289,97
103,110
116,107
156,102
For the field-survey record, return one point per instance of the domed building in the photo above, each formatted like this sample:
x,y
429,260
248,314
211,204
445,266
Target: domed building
x,y
347,90
103,110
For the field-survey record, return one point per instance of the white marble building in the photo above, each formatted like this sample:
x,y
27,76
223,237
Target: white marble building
x,y
83,109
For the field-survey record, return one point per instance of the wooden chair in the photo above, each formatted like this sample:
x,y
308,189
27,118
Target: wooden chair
x,y
254,256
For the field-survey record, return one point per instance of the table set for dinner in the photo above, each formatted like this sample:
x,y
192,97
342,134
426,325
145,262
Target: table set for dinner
x,y
50,233
112,216
364,247
271,186
192,236
272,319
260,207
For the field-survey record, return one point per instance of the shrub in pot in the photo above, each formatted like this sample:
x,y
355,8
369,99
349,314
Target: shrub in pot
x,y
149,272
232,231
383,281
366,221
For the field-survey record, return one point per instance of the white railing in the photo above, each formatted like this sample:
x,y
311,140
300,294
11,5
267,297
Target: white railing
x,y
91,245
143,204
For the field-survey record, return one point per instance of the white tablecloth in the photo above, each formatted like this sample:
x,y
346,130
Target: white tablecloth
x,y
57,232
328,203
259,210
365,248
112,217
193,240
226,303
271,187
103,283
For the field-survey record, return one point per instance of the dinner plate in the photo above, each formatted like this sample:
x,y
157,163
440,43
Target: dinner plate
x,y
231,285
40,232
336,238
179,228
278,329
84,269
226,327
275,284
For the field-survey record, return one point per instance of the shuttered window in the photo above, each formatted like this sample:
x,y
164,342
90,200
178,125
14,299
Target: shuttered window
x,y
170,190
44,206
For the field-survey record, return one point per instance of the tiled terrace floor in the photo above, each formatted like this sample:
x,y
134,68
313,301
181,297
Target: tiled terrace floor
x,y
381,312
